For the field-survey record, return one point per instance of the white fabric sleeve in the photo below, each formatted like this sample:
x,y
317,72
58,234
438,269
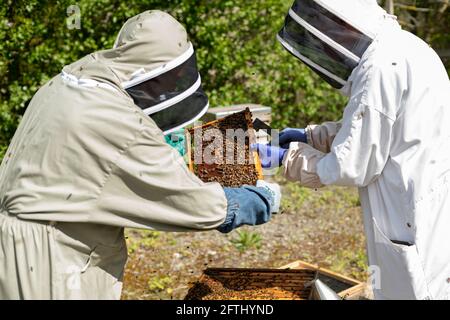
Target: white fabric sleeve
x,y
300,164
321,136
360,149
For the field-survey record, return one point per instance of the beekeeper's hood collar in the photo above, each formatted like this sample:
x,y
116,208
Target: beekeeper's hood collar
x,y
331,36
156,65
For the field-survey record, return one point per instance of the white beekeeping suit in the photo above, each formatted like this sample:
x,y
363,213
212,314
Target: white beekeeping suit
x,y
393,141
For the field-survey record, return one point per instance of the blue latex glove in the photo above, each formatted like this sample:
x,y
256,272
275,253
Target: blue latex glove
x,y
271,156
247,205
289,135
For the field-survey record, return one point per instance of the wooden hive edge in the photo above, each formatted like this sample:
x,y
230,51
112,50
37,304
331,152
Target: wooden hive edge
x,y
257,270
187,136
304,265
357,287
252,137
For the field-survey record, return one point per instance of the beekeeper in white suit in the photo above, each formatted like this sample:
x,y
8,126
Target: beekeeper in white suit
x,y
393,141
90,158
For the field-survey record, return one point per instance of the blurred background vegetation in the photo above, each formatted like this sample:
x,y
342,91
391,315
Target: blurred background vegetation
x,y
239,57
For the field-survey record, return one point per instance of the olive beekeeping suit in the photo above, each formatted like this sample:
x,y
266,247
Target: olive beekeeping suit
x,y
89,158
393,141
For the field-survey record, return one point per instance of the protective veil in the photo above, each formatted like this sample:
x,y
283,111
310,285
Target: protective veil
x,y
87,161
394,144
171,94
329,38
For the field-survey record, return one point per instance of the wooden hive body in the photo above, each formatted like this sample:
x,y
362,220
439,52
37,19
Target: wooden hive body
x,y
287,283
223,172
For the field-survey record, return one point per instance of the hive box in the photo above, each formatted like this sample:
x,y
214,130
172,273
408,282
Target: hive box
x,y
258,111
287,283
225,173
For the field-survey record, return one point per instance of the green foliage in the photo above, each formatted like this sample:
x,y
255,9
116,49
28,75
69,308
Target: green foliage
x,y
246,240
351,262
159,283
295,197
241,61
239,57
142,239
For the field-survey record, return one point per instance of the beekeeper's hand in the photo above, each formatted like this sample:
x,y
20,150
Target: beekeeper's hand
x,y
271,156
289,135
250,205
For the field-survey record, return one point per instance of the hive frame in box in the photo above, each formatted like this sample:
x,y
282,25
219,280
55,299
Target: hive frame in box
x,y
357,290
288,277
189,132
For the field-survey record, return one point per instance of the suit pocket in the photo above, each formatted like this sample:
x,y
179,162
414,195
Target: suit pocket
x,y
111,259
103,277
401,272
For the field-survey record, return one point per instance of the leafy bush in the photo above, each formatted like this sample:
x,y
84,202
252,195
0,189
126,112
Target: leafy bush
x,y
239,57
242,61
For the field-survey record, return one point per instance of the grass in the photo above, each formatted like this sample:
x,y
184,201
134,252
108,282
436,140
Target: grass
x,y
295,196
142,239
351,262
160,285
246,240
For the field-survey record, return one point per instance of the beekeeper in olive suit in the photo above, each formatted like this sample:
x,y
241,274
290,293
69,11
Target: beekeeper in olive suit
x,y
393,141
90,158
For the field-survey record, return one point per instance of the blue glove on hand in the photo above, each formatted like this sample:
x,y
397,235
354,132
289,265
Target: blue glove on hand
x,y
289,135
247,205
271,156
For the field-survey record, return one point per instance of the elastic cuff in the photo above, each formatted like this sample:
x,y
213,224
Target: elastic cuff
x,y
232,212
300,164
